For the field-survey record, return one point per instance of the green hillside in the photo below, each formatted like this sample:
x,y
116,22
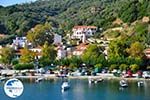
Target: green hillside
x,y
64,14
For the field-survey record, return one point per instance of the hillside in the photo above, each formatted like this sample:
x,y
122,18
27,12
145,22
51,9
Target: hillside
x,y
64,14
136,31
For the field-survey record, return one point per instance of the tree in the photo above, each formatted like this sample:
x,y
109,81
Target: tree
x,y
27,56
48,51
136,50
116,51
134,67
64,62
98,67
24,66
93,55
123,67
48,55
129,11
75,62
40,34
113,66
7,54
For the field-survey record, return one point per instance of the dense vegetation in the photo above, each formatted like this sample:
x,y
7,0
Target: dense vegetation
x,y
64,14
126,51
24,66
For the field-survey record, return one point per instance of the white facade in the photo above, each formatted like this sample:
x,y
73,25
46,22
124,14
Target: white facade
x,y
57,39
61,53
19,42
78,31
37,51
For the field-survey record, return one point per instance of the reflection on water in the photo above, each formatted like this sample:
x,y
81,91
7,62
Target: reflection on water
x,y
80,90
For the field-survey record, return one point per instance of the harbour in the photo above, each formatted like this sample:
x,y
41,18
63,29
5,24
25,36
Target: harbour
x,y
80,89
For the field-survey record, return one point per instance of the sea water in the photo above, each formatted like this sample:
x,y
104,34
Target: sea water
x,y
80,90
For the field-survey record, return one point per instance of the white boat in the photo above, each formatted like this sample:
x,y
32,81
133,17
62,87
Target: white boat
x,y
140,83
65,86
2,79
39,79
98,80
91,81
123,83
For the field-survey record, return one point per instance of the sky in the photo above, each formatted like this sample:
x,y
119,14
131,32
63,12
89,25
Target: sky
x,y
11,2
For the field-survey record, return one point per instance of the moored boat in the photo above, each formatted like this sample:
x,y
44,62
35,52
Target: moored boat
x,y
91,81
98,80
65,86
123,83
39,79
140,83
2,79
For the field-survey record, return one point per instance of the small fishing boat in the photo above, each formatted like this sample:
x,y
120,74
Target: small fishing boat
x,y
65,86
2,79
140,83
98,80
123,83
91,81
39,79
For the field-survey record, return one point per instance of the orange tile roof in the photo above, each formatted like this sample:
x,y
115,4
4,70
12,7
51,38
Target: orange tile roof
x,y
81,47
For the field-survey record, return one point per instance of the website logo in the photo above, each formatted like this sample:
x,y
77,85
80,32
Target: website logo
x,y
13,88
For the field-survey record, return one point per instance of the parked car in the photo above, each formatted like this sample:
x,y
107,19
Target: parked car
x,y
146,74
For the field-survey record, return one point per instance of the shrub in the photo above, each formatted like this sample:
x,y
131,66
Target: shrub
x,y
113,66
123,67
98,68
73,66
134,68
15,61
23,66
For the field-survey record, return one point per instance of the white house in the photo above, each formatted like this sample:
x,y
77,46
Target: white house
x,y
37,50
19,42
61,52
79,31
57,39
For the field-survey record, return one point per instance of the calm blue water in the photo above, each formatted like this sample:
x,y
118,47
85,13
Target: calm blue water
x,y
80,90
